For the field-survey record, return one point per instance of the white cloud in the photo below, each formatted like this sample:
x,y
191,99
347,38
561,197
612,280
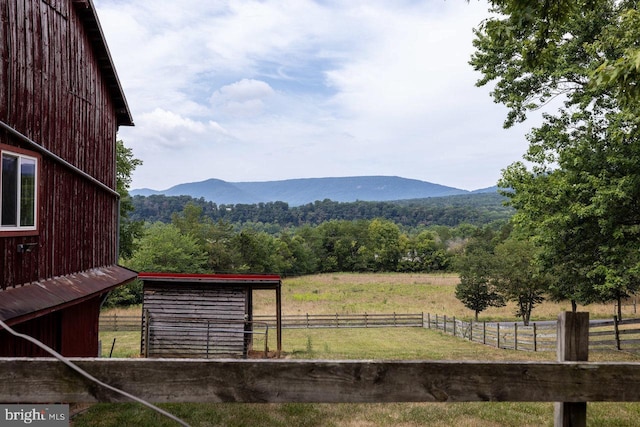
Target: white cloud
x,y
244,98
298,88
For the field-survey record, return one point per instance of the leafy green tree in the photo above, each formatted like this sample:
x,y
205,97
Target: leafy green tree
x,y
476,265
164,249
260,252
342,245
578,199
424,252
130,230
517,276
224,256
476,290
384,245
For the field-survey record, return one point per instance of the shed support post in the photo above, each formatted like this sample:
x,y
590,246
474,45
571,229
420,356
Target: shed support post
x,y
279,318
146,333
573,346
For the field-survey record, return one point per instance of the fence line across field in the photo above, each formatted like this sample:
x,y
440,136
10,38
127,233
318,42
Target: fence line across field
x,y
538,336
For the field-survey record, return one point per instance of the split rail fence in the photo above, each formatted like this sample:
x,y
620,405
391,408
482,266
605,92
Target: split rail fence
x,y
538,336
570,382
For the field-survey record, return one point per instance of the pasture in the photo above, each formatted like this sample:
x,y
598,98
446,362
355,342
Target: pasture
x,y
341,293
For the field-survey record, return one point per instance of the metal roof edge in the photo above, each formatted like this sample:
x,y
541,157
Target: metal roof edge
x,y
46,296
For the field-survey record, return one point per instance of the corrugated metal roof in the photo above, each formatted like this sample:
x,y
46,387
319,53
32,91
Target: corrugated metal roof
x,y
255,281
39,298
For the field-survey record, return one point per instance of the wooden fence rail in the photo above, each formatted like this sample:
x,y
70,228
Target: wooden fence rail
x,y
276,381
570,382
338,320
538,336
113,322
603,334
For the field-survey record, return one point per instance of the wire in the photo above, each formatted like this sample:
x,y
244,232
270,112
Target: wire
x,y
89,376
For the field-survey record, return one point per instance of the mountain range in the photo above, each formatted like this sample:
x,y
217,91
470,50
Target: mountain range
x,y
301,191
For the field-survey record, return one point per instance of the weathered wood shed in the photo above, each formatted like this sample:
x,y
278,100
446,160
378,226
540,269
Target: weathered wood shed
x,y
61,104
203,315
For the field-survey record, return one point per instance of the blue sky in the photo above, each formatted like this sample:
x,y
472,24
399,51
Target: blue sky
x,y
269,90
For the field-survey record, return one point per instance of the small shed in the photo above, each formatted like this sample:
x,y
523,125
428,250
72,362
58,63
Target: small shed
x,y
204,315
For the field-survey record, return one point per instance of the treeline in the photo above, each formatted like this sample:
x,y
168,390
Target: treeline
x,y
451,211
193,242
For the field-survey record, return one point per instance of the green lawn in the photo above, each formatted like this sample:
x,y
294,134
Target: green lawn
x,y
360,293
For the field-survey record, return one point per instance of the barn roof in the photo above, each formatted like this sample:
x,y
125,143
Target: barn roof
x,y
87,13
39,298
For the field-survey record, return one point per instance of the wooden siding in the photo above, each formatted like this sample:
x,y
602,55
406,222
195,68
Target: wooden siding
x,y
52,91
45,329
194,321
81,340
82,343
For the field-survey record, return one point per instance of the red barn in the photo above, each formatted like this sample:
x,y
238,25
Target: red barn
x,y
61,104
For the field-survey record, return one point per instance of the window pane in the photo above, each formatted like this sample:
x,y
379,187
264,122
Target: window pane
x,y
27,192
9,191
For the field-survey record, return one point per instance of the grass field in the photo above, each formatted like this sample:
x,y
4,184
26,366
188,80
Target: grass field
x,y
344,293
388,293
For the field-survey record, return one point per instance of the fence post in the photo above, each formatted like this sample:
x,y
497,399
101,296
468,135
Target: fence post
x,y
573,345
436,321
498,335
484,332
307,320
337,321
366,323
535,338
515,335
429,320
115,322
471,331
454,326
445,323
616,329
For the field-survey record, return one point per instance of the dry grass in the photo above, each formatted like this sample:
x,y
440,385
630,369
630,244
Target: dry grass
x,y
346,293
393,292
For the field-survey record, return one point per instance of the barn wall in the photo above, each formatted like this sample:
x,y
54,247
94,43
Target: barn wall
x,y
84,342
52,91
45,329
72,332
171,334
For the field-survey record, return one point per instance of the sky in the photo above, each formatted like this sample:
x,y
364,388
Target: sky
x,y
269,90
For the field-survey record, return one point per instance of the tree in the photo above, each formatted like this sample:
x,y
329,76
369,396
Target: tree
x,y
383,245
129,230
578,200
516,276
164,249
424,252
477,290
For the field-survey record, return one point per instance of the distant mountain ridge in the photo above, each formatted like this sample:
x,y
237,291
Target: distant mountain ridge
x,y
300,191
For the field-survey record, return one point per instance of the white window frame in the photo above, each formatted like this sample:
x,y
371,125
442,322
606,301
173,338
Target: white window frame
x,y
21,157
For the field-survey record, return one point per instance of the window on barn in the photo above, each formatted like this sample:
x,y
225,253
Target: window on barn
x,y
18,199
